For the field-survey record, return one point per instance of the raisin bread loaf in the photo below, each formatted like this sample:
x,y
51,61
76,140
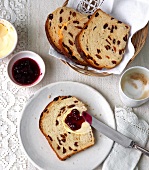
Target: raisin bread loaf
x,y
54,23
69,32
51,124
103,40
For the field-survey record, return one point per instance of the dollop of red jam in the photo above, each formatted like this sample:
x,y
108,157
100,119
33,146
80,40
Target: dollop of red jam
x,y
25,71
74,120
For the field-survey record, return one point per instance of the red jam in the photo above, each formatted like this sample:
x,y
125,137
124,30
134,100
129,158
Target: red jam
x,y
25,71
87,117
74,120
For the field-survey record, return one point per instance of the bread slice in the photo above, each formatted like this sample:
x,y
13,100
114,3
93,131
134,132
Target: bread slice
x,y
51,124
103,40
54,22
69,32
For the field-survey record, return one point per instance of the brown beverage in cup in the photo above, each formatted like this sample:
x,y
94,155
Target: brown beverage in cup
x,y
134,86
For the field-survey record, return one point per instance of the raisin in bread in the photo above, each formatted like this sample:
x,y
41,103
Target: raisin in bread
x,y
103,40
69,32
54,22
51,124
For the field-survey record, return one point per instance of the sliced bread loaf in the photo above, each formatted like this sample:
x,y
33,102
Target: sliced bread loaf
x,y
51,123
54,23
103,40
69,32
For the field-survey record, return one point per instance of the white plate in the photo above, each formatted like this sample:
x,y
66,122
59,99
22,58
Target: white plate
x,y
36,146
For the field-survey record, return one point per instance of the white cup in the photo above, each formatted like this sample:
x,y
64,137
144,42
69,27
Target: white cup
x,y
134,86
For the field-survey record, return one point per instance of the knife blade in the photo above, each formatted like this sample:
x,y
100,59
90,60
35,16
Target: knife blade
x,y
112,133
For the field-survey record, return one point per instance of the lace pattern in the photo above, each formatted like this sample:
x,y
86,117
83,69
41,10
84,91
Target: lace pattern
x,y
134,128
89,6
12,98
126,116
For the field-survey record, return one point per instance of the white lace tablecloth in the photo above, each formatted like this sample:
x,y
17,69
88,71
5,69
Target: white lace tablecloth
x,y
29,16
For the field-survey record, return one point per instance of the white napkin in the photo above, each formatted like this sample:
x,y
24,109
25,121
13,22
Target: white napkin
x,y
128,124
134,12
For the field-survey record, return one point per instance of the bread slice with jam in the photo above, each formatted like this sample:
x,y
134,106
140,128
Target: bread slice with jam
x,y
52,122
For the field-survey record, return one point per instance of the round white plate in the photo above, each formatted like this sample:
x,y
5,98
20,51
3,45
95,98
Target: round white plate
x,y
36,146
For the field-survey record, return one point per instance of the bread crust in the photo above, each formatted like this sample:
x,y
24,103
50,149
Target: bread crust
x,y
67,40
50,38
78,46
72,58
54,141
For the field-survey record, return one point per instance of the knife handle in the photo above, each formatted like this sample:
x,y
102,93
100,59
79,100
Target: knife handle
x,y
145,151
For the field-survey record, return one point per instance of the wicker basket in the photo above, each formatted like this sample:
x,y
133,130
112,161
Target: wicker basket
x,y
138,41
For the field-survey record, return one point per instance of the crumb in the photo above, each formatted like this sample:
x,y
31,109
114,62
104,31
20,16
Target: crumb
x,y
96,116
49,96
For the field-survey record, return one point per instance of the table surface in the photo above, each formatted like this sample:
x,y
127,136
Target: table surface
x,y
29,19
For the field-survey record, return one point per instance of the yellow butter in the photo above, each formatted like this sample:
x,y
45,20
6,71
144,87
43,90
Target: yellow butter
x,y
8,39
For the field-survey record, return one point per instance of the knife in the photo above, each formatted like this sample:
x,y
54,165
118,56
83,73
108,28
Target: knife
x,y
112,134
